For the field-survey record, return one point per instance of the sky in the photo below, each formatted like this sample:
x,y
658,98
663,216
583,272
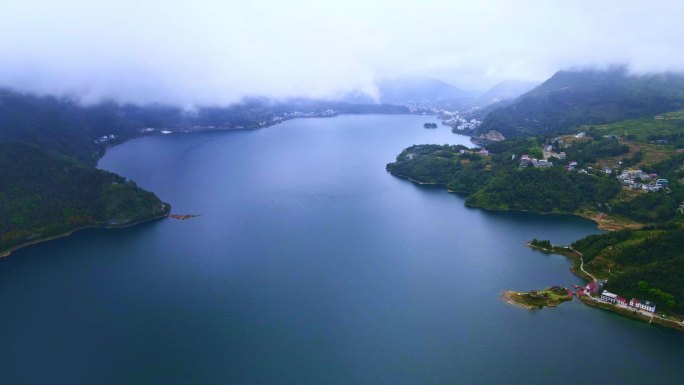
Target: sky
x,y
210,52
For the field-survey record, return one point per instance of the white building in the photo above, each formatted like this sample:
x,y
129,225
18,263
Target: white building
x,y
608,296
644,305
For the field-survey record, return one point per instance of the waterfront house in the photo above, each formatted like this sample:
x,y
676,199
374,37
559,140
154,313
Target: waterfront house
x,y
609,297
644,305
648,306
621,301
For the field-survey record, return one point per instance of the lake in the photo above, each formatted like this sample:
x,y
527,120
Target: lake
x,y
309,264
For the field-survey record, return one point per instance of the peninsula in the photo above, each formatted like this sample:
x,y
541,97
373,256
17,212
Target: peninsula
x,y
538,299
626,176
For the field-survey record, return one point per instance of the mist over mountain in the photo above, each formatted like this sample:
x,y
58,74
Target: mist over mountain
x,y
66,126
571,98
506,90
422,90
218,52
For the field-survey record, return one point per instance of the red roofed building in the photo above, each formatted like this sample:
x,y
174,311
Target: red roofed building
x,y
593,287
621,301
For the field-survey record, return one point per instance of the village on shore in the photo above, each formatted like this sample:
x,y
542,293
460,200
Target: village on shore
x,y
591,290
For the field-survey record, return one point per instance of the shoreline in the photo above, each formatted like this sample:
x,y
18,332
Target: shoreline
x,y
601,224
568,252
8,252
635,315
507,297
671,324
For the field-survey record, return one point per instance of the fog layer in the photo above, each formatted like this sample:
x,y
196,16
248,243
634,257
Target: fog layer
x,y
215,52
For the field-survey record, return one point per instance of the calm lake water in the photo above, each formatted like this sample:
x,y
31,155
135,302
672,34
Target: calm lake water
x,y
310,264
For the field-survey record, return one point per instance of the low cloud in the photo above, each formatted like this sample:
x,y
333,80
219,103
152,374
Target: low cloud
x,y
216,52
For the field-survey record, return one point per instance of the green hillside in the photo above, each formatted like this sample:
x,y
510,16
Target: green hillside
x,y
497,182
645,264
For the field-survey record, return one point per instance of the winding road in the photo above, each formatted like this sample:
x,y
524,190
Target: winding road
x,y
582,264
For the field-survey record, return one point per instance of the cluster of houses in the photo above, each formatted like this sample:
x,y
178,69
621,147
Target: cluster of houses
x,y
639,180
635,179
606,296
648,306
525,161
482,151
297,114
457,122
105,138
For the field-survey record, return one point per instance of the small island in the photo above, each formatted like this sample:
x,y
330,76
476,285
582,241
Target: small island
x,y
538,299
430,125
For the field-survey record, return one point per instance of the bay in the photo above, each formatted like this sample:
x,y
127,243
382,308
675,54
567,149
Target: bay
x,y
309,264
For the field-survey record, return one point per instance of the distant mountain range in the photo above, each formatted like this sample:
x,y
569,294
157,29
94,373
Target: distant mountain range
x,y
65,126
427,92
572,98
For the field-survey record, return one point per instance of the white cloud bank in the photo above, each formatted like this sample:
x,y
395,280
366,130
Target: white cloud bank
x,y
215,52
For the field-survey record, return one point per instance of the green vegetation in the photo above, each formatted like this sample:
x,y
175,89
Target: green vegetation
x,y
571,99
544,244
662,206
642,262
497,181
443,165
543,190
667,127
49,146
595,148
47,155
646,264
51,194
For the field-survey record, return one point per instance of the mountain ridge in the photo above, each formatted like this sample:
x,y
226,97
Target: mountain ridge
x,y
572,98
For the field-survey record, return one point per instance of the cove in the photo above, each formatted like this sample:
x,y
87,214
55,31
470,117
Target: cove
x,y
309,264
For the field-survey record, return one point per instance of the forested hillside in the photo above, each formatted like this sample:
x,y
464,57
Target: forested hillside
x,y
497,182
50,194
